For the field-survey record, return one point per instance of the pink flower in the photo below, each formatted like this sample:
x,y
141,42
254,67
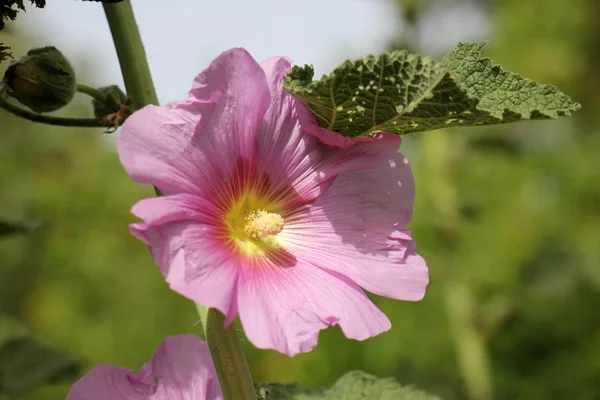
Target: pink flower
x,y
261,219
181,368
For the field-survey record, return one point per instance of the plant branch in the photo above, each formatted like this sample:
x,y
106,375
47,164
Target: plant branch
x,y
47,119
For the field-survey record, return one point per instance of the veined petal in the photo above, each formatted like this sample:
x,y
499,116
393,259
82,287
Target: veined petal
x,y
186,243
357,229
156,148
234,88
285,308
191,146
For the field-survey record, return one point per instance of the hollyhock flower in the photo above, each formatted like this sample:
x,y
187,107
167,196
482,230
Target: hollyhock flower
x,y
261,219
181,368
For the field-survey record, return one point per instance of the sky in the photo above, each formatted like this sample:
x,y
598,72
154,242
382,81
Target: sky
x,y
183,38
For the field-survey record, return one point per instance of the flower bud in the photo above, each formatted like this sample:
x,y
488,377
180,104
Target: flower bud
x,y
42,80
114,98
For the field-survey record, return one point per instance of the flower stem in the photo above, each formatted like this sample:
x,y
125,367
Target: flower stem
x,y
92,92
224,343
47,119
228,356
131,53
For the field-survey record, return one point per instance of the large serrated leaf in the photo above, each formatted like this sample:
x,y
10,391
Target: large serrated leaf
x,y
355,385
405,93
25,363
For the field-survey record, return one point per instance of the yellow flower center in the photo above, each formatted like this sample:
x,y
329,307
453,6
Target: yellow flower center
x,y
260,224
253,224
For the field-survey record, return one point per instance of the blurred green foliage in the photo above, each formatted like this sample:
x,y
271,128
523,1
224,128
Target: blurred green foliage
x,y
508,219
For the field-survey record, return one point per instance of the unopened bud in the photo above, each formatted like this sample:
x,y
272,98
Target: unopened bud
x,y
114,98
42,80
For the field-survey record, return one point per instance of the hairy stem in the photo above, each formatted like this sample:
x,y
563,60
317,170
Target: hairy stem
x,y
224,343
131,53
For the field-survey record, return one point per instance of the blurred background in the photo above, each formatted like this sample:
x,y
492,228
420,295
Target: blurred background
x,y
508,217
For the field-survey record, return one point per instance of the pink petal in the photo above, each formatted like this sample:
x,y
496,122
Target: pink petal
x,y
197,142
357,229
155,147
293,159
183,367
184,240
106,381
284,308
235,89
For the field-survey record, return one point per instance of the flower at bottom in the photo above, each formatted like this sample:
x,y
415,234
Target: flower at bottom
x,y
181,368
261,219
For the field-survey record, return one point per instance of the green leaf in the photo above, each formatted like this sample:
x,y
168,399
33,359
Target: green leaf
x,y
25,363
504,94
354,385
405,93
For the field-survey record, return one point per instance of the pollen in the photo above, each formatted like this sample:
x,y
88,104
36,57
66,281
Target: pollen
x,y
260,224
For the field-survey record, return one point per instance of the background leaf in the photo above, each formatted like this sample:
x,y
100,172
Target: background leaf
x,y
25,363
8,228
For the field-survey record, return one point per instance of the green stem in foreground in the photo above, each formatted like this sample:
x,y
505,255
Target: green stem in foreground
x,y
228,356
131,53
224,343
47,119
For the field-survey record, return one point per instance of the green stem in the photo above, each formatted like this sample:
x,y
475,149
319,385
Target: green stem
x,y
131,53
92,92
228,357
224,343
47,119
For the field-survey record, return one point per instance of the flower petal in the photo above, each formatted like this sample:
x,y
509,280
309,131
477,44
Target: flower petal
x,y
182,236
155,147
184,369
181,368
106,381
285,308
235,89
357,229
190,145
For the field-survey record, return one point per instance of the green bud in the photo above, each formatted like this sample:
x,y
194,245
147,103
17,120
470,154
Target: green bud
x,y
114,98
42,80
